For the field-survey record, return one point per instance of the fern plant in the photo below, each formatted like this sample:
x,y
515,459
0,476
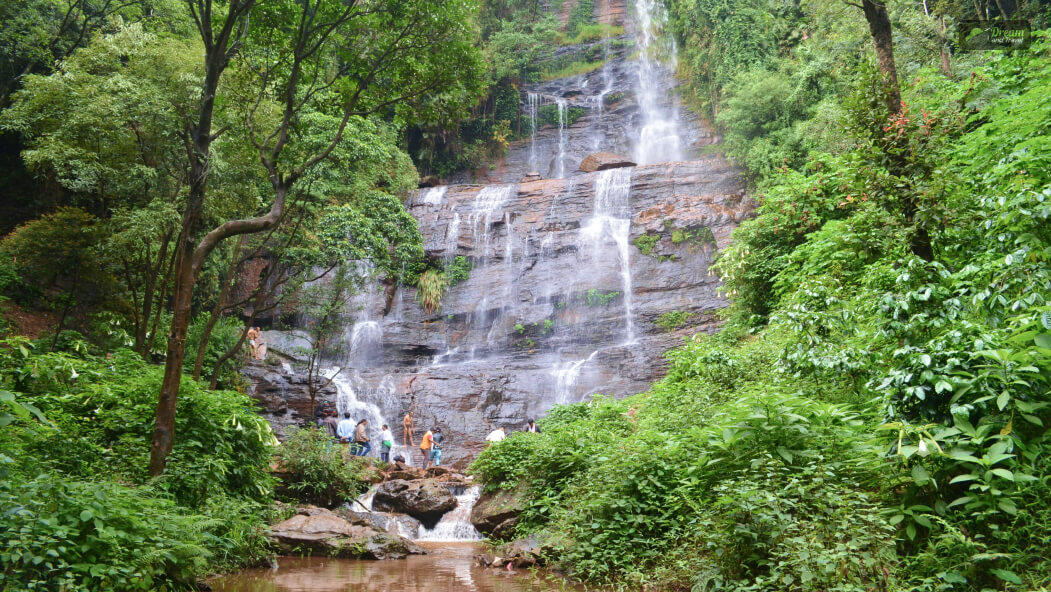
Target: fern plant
x,y
430,288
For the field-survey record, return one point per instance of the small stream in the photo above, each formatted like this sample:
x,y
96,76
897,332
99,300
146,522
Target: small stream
x,y
446,567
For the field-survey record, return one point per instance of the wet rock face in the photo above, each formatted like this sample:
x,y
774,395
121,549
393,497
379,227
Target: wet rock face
x,y
322,532
424,499
569,271
495,514
542,317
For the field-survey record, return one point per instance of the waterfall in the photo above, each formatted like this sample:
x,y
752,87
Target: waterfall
x,y
566,375
563,139
455,525
347,402
612,219
433,195
366,340
659,136
534,108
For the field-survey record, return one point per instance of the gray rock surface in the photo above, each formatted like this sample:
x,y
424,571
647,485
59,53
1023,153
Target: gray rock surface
x,y
322,532
424,499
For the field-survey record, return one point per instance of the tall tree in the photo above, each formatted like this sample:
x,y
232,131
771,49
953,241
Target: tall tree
x,y
342,59
883,41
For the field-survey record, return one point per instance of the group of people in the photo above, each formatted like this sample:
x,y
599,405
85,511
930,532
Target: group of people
x,y
430,445
356,442
499,434
355,436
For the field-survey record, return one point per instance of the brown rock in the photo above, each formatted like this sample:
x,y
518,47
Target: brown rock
x,y
429,181
320,531
601,161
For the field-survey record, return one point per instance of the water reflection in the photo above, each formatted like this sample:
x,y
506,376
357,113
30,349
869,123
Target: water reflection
x,y
447,567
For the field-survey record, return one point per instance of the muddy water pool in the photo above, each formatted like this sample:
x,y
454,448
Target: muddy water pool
x,y
447,566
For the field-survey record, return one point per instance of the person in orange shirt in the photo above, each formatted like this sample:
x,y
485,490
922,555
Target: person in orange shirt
x,y
425,448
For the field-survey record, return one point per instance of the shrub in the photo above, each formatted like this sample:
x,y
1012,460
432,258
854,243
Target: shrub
x,y
315,470
66,534
674,319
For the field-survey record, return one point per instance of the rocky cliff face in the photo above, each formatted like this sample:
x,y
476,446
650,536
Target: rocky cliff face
x,y
570,271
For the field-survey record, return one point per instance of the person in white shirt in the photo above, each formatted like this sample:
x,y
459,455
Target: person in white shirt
x,y
496,435
387,440
345,432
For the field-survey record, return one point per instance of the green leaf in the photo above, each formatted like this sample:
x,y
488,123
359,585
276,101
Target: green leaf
x,y
1002,400
1043,340
1004,473
1008,506
920,475
1007,576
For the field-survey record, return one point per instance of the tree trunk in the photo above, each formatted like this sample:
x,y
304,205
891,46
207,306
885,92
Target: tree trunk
x,y
220,306
164,420
883,40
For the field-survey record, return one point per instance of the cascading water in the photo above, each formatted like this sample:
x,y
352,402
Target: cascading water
x,y
348,403
563,136
533,101
659,139
366,341
455,525
612,221
433,195
566,375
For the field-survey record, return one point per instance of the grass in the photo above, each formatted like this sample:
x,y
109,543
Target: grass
x,y
571,69
592,32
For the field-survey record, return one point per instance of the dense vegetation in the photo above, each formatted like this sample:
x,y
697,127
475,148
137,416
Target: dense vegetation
x,y
868,418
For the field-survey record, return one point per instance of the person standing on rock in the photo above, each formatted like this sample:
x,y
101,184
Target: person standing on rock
x,y
345,432
425,448
386,443
436,446
407,429
253,334
361,439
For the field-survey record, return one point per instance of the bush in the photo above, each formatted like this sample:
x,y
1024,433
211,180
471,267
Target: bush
x,y
66,534
316,472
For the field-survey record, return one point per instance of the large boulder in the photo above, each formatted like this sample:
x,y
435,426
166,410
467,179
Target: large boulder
x,y
600,161
496,512
424,499
322,532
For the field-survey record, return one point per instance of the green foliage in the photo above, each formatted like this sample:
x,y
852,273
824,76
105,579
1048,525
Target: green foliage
x,y
595,297
674,319
581,15
85,536
646,242
315,470
548,114
458,270
84,512
225,334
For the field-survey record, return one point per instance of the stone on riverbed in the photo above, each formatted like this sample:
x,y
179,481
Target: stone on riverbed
x,y
322,532
423,499
496,512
